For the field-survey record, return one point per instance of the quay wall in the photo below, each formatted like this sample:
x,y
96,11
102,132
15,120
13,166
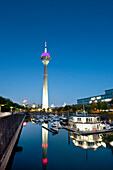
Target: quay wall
x,y
10,127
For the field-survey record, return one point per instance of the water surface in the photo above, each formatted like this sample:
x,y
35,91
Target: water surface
x,y
65,150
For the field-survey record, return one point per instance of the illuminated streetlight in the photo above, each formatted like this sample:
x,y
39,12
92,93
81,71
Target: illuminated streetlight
x,y
11,107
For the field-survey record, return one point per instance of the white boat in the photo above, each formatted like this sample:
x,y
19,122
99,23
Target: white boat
x,y
56,124
41,120
54,128
63,119
90,123
107,126
51,120
56,119
36,120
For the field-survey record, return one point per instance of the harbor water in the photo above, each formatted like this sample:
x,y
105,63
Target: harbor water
x,y
65,150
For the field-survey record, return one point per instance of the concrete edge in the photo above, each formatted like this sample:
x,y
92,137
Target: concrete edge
x,y
7,154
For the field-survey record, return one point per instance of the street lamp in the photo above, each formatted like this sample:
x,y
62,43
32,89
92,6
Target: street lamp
x,y
11,107
20,110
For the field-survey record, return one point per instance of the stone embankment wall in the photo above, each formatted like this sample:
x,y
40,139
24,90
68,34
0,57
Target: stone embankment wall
x,y
8,128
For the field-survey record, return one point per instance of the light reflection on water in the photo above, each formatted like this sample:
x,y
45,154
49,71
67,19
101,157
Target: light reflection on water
x,y
66,150
88,142
44,145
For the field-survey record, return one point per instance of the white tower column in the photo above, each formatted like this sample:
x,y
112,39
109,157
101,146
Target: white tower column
x,y
45,90
45,57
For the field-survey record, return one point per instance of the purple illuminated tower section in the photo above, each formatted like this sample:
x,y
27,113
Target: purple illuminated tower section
x,y
45,57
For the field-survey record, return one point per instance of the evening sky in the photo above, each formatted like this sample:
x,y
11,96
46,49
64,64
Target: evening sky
x,y
79,35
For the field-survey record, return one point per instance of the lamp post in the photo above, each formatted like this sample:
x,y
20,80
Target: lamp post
x,y
11,109
20,110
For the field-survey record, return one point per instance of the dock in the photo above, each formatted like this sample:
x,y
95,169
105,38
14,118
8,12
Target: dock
x,y
71,129
96,132
87,132
49,129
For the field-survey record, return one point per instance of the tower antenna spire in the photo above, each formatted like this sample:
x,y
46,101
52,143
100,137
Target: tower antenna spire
x,y
45,47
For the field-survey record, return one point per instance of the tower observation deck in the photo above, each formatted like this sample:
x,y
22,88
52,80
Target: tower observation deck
x,y
45,57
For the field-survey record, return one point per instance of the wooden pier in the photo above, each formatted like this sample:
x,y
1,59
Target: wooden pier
x,y
49,129
87,132
71,129
81,132
96,132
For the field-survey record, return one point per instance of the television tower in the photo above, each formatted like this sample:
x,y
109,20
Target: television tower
x,y
45,57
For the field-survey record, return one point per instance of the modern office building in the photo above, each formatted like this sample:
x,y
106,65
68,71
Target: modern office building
x,y
107,97
45,57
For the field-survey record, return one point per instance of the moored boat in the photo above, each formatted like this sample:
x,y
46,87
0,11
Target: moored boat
x,y
41,120
89,123
56,124
56,119
54,128
46,120
63,119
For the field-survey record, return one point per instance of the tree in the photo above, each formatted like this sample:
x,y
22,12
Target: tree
x,y
66,108
104,105
80,107
111,102
70,110
99,105
55,109
59,109
74,107
88,109
8,104
43,110
93,105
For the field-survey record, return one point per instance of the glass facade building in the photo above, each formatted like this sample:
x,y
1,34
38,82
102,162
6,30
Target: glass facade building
x,y
107,97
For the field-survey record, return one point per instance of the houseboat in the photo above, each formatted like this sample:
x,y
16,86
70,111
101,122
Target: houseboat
x,y
89,123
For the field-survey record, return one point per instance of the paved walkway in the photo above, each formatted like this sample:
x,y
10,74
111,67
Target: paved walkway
x,y
3,114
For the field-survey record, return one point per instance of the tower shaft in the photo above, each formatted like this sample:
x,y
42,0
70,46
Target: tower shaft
x,y
45,57
45,89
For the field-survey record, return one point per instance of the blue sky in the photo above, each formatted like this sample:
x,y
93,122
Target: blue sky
x,y
79,36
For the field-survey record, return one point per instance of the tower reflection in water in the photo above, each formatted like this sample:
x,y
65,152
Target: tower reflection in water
x,y
44,144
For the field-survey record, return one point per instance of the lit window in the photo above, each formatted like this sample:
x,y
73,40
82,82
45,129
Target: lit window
x,y
93,98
